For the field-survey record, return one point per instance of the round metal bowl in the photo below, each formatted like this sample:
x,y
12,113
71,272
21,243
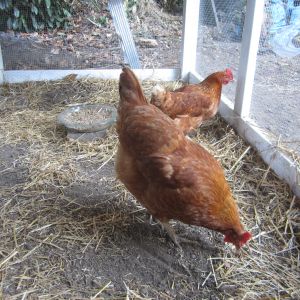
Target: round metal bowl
x,y
88,117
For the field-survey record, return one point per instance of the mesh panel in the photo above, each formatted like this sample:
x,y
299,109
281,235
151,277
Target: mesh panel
x,y
157,36
26,52
219,46
276,93
89,44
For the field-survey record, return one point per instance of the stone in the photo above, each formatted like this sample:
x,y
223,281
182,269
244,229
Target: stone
x,y
150,43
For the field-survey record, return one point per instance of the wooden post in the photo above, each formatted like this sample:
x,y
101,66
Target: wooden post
x,y
247,64
190,37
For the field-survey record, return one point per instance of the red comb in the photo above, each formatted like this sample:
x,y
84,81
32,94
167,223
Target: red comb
x,y
241,240
229,73
245,237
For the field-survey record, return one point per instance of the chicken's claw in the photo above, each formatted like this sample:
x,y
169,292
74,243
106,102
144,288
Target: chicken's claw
x,y
170,231
175,238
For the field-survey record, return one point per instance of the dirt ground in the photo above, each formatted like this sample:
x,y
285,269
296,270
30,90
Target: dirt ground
x,y
117,245
81,235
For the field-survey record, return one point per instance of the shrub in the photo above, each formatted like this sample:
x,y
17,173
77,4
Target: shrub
x,y
34,15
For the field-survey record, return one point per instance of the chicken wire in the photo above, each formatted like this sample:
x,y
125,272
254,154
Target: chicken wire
x,y
275,98
92,41
219,38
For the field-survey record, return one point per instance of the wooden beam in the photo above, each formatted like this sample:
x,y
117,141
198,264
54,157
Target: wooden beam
x,y
247,64
189,37
41,75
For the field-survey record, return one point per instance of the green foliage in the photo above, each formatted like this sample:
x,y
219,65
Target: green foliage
x,y
34,15
102,20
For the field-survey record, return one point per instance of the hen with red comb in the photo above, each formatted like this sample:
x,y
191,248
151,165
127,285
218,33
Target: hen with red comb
x,y
192,104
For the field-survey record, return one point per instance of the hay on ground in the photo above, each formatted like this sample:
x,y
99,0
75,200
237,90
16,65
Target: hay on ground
x,y
40,220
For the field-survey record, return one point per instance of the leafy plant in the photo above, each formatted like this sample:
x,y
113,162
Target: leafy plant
x,y
34,15
102,20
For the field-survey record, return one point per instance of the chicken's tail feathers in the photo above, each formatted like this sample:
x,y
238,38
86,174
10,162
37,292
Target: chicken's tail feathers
x,y
130,89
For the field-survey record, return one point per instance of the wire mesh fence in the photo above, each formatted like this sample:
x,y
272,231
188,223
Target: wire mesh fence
x,y
219,38
157,35
275,100
92,41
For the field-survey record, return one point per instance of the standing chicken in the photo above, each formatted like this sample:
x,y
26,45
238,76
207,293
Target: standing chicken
x,y
171,176
190,105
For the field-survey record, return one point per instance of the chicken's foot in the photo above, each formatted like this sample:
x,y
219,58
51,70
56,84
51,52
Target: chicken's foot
x,y
169,229
152,221
175,238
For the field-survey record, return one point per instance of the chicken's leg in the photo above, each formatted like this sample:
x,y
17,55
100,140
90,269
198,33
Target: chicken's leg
x,y
169,229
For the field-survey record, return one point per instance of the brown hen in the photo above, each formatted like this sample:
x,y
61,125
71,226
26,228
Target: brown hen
x,y
190,105
170,175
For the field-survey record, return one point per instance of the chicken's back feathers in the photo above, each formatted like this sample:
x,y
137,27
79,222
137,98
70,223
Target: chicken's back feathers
x,y
193,100
191,104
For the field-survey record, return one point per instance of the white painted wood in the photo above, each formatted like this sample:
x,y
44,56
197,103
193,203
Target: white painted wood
x,y
195,77
247,64
282,165
41,75
1,67
189,37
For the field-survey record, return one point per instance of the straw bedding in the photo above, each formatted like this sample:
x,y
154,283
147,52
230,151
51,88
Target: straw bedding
x,y
70,230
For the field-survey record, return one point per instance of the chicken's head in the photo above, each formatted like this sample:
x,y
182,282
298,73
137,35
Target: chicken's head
x,y
238,240
228,76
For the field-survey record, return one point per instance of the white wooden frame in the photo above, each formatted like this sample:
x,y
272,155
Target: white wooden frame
x,y
236,115
247,64
41,75
189,37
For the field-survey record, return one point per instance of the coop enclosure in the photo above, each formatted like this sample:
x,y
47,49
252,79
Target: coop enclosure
x,y
258,40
